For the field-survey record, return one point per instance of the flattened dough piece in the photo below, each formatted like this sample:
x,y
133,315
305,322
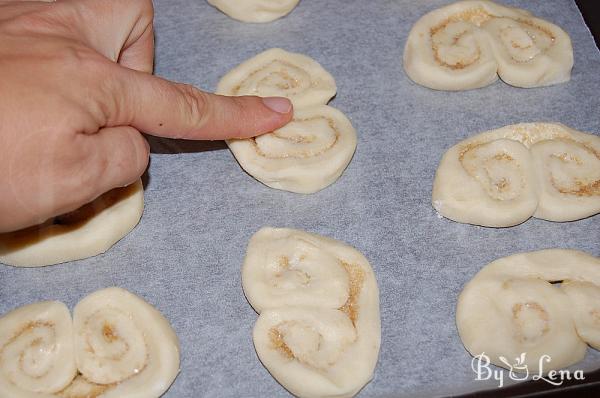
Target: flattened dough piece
x,y
502,177
304,156
278,73
315,341
124,342
510,307
585,309
466,44
258,11
36,350
87,232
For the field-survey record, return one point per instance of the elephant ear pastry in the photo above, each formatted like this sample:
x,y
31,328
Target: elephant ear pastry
x,y
467,44
279,73
502,177
319,329
511,309
257,11
117,345
86,232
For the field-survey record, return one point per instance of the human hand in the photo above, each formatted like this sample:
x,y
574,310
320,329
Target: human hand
x,y
77,90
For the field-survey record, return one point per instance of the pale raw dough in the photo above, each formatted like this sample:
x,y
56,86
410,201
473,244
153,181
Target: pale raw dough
x,y
304,156
502,177
117,345
511,307
278,73
568,176
140,350
319,329
467,44
103,223
257,11
36,350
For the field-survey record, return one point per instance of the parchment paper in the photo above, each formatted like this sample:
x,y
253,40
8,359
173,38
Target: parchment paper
x,y
201,208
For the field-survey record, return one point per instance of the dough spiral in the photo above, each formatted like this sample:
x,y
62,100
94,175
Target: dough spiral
x,y
304,156
36,350
276,72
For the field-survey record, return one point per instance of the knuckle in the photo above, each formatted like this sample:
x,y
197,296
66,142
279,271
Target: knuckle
x,y
141,153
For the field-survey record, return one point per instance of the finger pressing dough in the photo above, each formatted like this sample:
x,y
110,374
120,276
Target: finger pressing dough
x,y
86,232
319,329
304,156
278,73
466,44
511,307
257,11
117,345
502,177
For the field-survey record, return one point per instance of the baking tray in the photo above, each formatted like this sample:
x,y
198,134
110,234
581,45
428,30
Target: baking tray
x,y
201,208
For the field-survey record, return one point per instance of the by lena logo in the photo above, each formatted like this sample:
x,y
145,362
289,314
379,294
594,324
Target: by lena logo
x,y
518,370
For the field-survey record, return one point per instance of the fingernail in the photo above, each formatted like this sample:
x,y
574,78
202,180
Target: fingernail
x,y
278,104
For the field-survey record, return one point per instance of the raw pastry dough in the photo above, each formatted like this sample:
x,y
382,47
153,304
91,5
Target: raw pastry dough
x,y
568,176
511,307
120,345
278,73
36,350
304,156
502,177
87,232
133,347
319,329
465,45
258,11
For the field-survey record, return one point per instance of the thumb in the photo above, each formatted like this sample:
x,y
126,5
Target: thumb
x,y
163,108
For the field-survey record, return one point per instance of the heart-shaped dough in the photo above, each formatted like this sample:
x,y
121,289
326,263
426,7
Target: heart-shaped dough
x,y
257,11
319,329
511,307
466,44
117,345
84,233
304,156
278,73
502,177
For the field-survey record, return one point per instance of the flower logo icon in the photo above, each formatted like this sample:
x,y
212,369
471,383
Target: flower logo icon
x,y
518,370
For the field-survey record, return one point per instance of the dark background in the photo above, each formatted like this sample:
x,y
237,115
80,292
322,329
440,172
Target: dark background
x,y
591,13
